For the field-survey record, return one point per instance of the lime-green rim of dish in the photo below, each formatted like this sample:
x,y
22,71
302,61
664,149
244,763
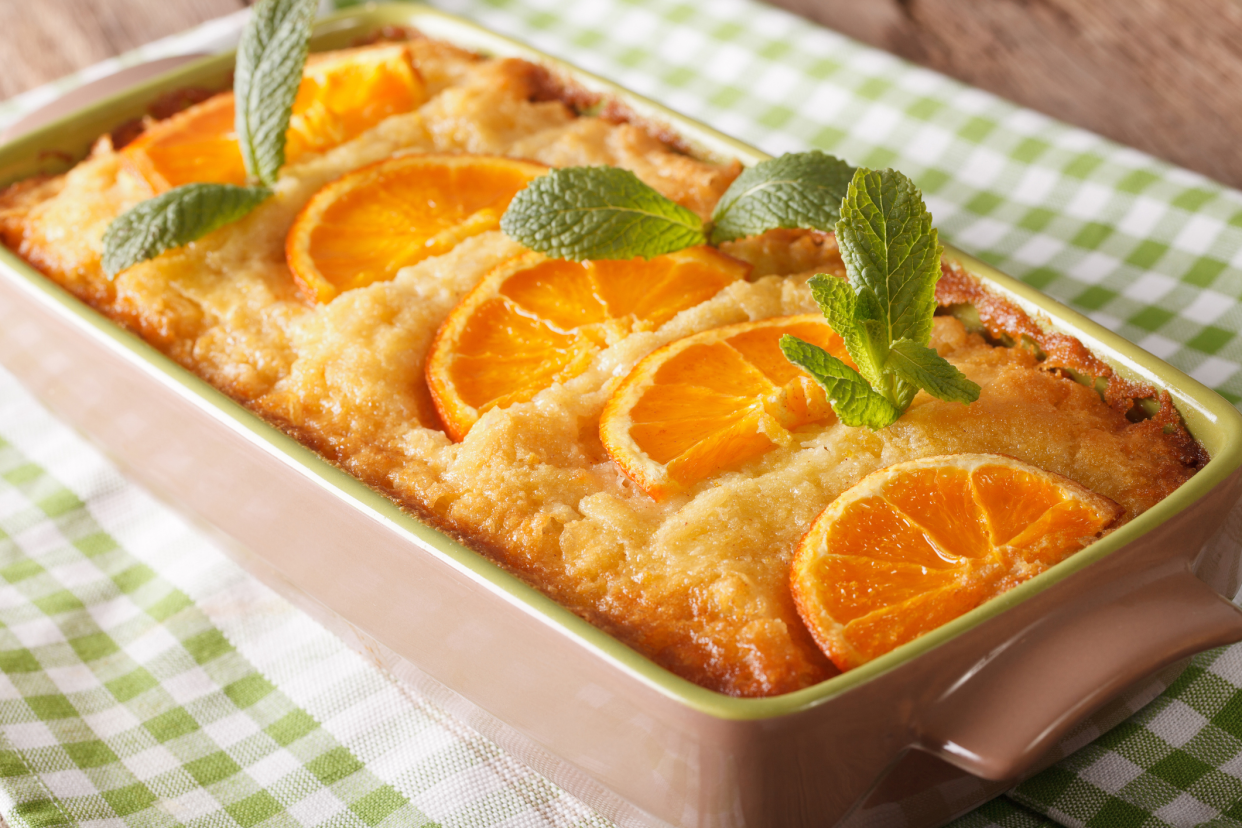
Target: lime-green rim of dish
x,y
1212,419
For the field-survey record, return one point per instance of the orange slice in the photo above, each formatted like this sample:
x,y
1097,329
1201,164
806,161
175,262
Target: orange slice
x,y
345,93
342,95
713,401
917,544
367,225
536,321
197,145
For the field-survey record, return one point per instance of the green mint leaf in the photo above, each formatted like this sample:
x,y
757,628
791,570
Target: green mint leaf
x,y
839,304
172,219
892,256
801,189
598,213
884,313
836,299
920,366
852,397
270,58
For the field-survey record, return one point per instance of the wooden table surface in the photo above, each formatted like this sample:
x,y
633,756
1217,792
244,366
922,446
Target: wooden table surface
x,y
1164,76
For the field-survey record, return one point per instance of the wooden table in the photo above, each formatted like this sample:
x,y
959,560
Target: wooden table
x,y
1164,76
42,40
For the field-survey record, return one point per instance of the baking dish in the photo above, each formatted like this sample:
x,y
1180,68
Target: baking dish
x,y
986,695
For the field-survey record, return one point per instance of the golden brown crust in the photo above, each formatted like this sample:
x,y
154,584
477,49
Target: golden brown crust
x,y
1065,353
788,251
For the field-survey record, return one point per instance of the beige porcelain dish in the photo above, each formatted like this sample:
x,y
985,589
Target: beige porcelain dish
x,y
912,738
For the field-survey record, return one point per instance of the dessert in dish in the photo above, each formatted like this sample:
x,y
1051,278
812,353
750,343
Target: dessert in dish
x,y
697,581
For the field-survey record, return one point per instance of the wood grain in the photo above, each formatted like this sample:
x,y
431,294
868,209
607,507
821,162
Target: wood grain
x,y
42,40
1164,76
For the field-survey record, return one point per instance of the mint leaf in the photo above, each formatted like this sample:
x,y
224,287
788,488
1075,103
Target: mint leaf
x,y
608,213
172,219
852,397
920,366
796,190
839,304
892,256
884,313
270,58
836,299
598,213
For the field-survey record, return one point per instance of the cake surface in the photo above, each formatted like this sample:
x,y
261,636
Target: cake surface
x,y
697,582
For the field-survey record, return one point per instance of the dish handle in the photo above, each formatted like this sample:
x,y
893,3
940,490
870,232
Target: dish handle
x,y
1017,702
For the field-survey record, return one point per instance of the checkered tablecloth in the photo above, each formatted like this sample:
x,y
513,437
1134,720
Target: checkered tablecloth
x,y
148,681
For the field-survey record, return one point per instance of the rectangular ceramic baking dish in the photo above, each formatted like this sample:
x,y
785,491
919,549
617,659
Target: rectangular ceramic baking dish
x,y
912,738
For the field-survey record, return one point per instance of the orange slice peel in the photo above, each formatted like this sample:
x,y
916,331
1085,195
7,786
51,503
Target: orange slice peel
x,y
198,145
917,544
367,225
534,321
714,401
342,95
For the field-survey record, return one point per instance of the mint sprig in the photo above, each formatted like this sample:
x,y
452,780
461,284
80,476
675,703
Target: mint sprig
x,y
884,313
608,213
598,213
173,219
801,190
270,58
854,400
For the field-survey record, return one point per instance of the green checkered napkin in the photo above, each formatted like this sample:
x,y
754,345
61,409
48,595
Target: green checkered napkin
x,y
121,697
150,682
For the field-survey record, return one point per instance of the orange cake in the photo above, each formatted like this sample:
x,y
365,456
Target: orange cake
x,y
695,578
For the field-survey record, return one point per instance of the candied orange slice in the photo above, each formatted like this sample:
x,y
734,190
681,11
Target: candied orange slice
x,y
535,321
197,145
367,225
342,95
917,544
345,93
714,401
